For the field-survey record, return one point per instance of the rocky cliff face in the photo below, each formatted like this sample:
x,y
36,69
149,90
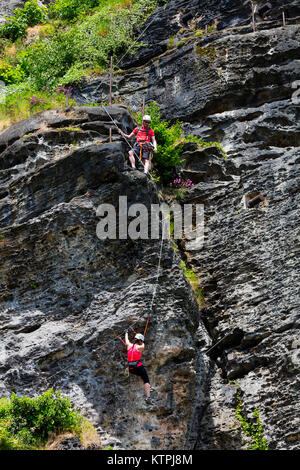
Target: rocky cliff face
x,y
66,294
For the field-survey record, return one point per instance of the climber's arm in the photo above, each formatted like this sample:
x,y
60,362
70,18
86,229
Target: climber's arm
x,y
154,144
127,136
127,342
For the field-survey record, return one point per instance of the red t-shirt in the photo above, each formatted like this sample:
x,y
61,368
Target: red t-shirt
x,y
134,355
143,135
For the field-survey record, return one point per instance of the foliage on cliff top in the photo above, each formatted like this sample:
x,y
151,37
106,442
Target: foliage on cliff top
x,y
30,15
21,103
26,423
81,35
63,49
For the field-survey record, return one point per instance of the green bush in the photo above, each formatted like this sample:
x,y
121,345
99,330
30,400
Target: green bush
x,y
70,9
14,28
48,60
32,12
66,53
26,423
30,15
253,428
7,440
10,74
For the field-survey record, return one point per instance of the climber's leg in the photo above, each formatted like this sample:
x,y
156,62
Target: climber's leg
x,y
132,159
147,162
147,166
141,372
147,389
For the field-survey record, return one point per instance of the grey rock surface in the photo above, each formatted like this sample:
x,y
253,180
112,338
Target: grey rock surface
x,y
236,87
66,296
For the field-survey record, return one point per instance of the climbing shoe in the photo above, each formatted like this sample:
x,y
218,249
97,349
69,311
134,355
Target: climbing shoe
x,y
148,401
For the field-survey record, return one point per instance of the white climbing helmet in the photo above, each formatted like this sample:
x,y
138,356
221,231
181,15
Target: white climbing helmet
x,y
147,118
139,336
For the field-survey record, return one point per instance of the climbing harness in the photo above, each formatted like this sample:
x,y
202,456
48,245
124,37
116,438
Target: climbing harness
x,y
144,146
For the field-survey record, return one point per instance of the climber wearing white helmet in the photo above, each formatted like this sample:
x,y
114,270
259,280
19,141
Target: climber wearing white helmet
x,y
145,144
134,352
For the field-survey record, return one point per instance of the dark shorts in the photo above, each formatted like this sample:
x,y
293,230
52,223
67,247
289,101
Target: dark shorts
x,y
140,372
145,153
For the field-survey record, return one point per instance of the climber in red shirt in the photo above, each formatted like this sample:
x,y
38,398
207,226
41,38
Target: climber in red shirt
x,y
134,352
144,135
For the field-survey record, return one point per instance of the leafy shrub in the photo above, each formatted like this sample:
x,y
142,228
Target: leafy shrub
x,y
7,440
45,61
32,12
90,43
14,28
30,15
10,74
70,9
27,422
254,429
194,281
75,74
